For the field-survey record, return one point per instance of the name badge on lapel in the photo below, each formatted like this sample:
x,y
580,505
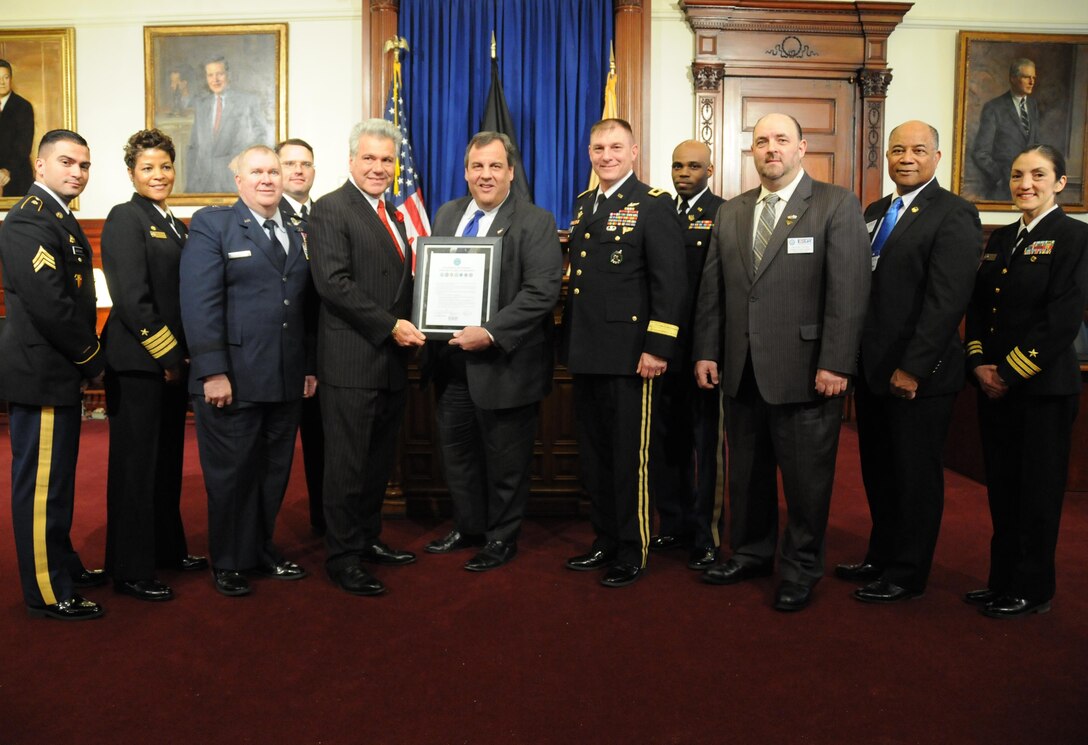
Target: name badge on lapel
x,y
800,245
239,254
158,234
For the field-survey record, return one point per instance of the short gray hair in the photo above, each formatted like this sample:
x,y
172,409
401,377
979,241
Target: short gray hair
x,y
236,162
380,128
1016,64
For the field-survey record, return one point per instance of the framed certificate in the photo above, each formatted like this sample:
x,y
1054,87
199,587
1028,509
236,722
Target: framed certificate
x,y
457,283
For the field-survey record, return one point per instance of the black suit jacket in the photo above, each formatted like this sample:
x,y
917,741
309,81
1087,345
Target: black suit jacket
x,y
16,143
141,255
244,306
517,369
1026,311
627,281
48,345
364,287
1000,139
920,290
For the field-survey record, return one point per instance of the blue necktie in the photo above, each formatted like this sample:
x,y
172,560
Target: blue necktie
x,y
886,226
473,227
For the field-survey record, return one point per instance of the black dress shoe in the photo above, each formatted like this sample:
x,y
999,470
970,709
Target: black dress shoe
x,y
230,582
284,570
1007,606
145,589
492,556
621,575
378,553
592,560
981,597
192,563
703,558
76,608
861,572
90,578
884,591
791,596
453,541
356,581
665,542
731,572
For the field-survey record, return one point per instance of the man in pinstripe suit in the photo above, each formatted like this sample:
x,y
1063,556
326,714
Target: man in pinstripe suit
x,y
781,332
362,268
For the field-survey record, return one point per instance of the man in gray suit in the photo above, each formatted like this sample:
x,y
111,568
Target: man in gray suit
x,y
489,379
225,121
362,268
1007,126
781,332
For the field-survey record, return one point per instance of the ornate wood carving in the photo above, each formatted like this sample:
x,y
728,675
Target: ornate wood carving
x,y
707,77
839,43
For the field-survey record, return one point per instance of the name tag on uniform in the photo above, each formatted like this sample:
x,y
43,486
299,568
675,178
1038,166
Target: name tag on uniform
x,y
799,245
989,257
239,254
157,234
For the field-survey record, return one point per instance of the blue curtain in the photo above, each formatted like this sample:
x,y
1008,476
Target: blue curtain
x,y
553,57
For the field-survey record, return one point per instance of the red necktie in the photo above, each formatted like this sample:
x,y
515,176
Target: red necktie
x,y
218,114
385,221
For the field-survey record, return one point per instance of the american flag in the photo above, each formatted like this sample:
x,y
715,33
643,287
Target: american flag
x,y
405,193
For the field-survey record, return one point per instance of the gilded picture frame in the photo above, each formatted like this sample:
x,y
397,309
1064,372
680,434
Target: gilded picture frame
x,y
215,90
42,75
989,130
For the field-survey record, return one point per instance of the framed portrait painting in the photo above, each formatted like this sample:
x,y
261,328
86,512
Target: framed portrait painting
x,y
1014,91
37,78
216,90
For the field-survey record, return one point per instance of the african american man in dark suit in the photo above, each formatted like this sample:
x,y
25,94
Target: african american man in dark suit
x,y
926,244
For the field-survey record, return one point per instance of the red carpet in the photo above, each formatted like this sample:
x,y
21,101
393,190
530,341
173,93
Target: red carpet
x,y
533,653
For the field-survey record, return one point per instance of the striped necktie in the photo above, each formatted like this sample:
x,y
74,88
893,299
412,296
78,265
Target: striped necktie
x,y
766,227
1024,123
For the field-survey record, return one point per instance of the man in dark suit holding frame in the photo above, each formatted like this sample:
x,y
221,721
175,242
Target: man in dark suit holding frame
x,y
362,265
490,379
783,328
925,244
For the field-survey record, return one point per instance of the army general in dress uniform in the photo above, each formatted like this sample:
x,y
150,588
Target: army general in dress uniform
x,y
48,353
624,306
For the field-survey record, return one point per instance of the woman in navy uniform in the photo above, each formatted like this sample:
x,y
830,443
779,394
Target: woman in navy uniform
x,y
146,368
1027,308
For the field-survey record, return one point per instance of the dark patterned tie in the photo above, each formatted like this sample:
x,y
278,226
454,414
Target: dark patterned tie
x,y
1024,123
766,227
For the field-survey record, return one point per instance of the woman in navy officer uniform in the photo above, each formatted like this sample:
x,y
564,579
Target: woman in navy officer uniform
x,y
146,366
1026,311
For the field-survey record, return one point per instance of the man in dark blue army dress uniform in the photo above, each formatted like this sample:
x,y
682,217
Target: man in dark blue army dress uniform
x,y
49,352
687,448
624,307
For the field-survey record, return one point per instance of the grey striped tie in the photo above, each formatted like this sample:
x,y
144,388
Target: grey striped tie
x,y
766,227
1025,124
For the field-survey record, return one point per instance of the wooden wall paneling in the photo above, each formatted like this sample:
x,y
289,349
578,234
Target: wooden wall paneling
x,y
631,30
834,54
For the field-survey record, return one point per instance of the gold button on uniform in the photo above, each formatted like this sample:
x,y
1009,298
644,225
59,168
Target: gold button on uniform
x,y
634,318
576,291
997,290
1004,271
578,273
583,254
586,236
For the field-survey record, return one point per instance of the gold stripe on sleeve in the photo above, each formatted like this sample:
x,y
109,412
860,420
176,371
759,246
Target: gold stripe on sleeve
x,y
665,329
